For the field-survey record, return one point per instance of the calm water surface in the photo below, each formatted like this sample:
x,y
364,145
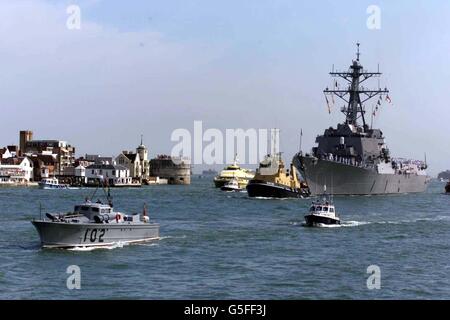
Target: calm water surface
x,y
219,245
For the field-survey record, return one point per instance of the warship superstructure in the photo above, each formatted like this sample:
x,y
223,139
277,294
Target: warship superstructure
x,y
353,158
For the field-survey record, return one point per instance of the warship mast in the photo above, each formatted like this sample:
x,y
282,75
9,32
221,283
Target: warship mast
x,y
355,95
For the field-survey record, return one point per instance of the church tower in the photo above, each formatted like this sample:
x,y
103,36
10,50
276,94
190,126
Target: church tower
x,y
143,156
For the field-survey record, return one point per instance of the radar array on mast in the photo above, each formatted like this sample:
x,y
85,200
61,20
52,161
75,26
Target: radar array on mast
x,y
354,95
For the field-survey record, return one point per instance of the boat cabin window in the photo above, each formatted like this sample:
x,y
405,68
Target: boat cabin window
x,y
106,210
85,208
331,209
325,209
95,209
319,208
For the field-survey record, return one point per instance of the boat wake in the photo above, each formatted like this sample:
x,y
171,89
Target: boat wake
x,y
273,198
91,248
343,224
147,244
432,219
363,223
173,237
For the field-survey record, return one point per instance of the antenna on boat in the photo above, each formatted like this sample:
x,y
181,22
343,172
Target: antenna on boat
x,y
95,191
357,51
301,136
144,211
107,191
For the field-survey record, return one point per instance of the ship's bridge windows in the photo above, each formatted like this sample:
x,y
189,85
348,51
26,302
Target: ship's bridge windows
x,y
84,208
331,209
95,209
325,209
318,208
106,210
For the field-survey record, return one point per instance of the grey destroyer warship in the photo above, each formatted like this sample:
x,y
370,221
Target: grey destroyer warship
x,y
353,158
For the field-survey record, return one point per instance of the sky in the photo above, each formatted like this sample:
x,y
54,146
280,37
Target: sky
x,y
150,67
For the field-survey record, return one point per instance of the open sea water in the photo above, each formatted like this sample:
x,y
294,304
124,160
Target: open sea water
x,y
218,245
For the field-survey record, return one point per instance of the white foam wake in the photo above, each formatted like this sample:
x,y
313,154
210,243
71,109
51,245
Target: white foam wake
x,y
343,224
115,245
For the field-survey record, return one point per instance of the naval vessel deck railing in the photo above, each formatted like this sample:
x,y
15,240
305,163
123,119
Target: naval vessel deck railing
x,y
406,167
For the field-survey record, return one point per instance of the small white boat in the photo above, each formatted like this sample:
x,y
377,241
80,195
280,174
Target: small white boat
x,y
52,183
232,185
322,212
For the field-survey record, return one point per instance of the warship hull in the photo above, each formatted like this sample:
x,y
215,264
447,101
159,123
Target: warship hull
x,y
344,179
70,235
447,187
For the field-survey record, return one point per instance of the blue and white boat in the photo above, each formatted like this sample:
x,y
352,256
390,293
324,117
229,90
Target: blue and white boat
x,y
52,183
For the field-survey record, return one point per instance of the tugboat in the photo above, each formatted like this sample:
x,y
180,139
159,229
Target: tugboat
x,y
94,224
233,171
273,181
51,183
232,186
322,212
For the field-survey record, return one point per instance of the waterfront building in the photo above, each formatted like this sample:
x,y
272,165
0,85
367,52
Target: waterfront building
x,y
97,159
80,171
114,175
80,175
63,151
137,162
44,166
131,161
5,153
16,171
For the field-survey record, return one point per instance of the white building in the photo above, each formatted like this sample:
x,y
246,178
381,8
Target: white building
x,y
137,163
5,153
80,173
16,170
131,161
114,175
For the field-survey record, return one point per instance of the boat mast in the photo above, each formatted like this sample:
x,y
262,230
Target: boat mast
x,y
355,95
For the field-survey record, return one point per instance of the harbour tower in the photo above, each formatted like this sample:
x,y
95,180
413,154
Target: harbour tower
x,y
175,170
